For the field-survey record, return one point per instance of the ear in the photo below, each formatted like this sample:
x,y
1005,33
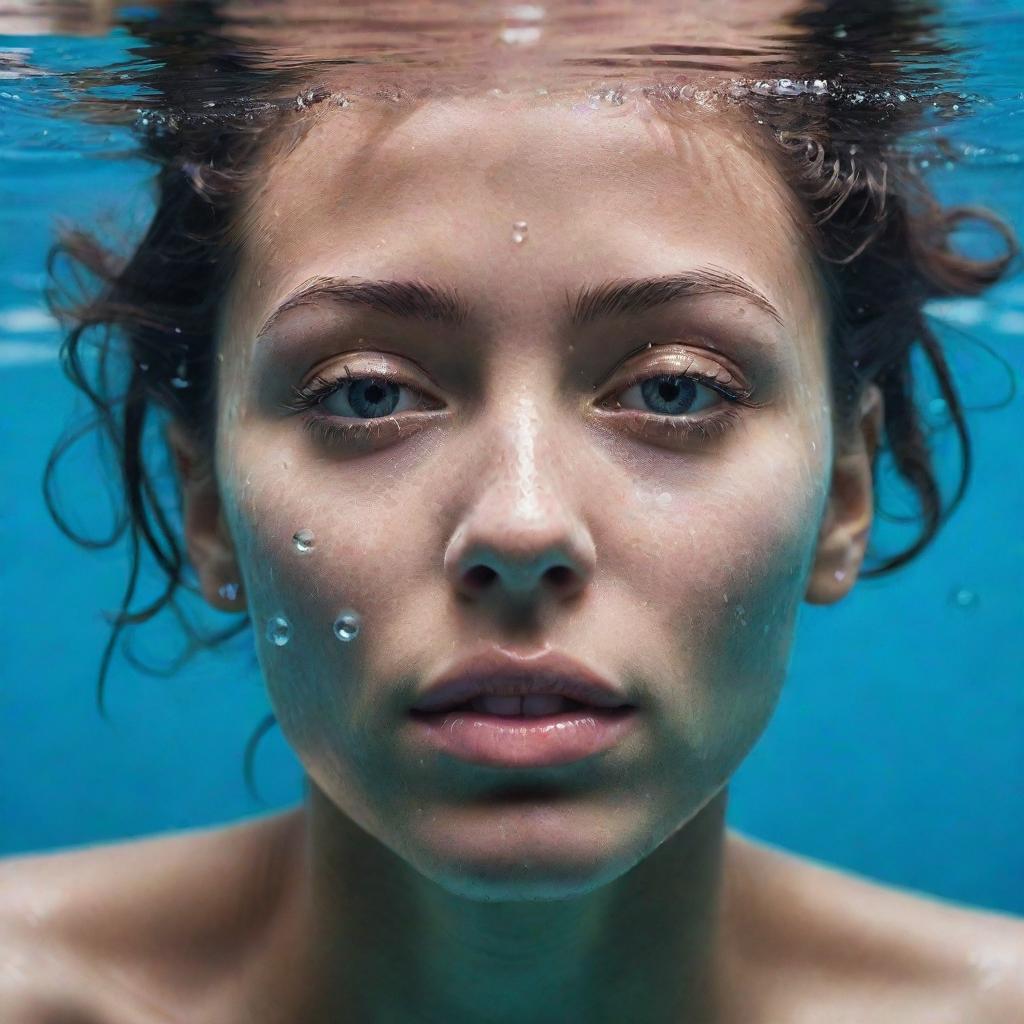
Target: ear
x,y
843,537
211,550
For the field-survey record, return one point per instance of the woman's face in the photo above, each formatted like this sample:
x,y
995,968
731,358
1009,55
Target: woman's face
x,y
519,437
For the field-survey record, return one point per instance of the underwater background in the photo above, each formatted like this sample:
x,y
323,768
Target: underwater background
x,y
897,749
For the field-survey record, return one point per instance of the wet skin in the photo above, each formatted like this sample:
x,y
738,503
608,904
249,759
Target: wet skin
x,y
412,887
684,553
522,442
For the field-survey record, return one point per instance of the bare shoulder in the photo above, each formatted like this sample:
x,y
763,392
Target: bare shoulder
x,y
871,944
89,935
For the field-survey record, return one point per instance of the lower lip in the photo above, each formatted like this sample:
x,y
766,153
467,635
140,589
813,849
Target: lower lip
x,y
501,741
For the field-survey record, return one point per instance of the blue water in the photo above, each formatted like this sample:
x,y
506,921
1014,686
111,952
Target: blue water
x,y
897,750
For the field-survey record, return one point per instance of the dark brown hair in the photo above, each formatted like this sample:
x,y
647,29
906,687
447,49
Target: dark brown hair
x,y
835,126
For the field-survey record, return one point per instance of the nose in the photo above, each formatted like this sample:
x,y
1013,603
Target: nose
x,y
523,542
519,566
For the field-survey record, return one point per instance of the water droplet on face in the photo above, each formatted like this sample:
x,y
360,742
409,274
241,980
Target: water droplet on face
x,y
840,575
346,626
229,591
519,35
519,229
279,631
304,540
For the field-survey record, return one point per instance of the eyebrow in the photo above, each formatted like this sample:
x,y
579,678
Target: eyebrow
x,y
638,296
415,300
409,299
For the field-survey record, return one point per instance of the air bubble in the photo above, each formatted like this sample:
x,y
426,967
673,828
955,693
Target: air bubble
x,y
279,631
964,598
613,96
229,591
346,626
179,380
303,539
937,406
519,229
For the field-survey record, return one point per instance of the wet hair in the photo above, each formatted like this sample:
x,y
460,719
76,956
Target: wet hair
x,y
141,326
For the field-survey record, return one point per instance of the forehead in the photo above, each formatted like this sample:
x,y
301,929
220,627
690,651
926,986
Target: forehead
x,y
433,190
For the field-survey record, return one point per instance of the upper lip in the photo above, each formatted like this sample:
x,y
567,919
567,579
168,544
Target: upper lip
x,y
502,673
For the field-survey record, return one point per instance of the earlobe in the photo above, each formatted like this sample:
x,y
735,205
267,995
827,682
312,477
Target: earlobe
x,y
846,527
208,541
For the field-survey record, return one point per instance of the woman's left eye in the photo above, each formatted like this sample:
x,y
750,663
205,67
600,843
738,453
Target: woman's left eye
x,y
670,394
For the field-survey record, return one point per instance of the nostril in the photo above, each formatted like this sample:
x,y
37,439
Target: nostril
x,y
480,576
560,575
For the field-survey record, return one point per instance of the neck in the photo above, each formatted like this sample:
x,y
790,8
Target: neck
x,y
370,937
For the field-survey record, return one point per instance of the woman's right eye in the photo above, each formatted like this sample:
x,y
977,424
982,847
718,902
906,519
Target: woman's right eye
x,y
366,398
353,396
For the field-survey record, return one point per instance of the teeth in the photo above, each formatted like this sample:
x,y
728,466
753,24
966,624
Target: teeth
x,y
497,705
544,704
535,704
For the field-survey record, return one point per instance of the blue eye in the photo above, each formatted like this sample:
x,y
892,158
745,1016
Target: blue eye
x,y
671,394
366,398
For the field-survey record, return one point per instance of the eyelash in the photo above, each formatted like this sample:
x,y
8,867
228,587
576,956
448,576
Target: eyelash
x,y
323,428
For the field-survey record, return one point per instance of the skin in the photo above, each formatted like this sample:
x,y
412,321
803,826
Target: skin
x,y
410,887
684,588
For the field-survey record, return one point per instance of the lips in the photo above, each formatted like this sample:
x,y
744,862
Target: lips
x,y
500,681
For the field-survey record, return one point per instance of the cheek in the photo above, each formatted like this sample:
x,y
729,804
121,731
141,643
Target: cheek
x,y
313,576
734,556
